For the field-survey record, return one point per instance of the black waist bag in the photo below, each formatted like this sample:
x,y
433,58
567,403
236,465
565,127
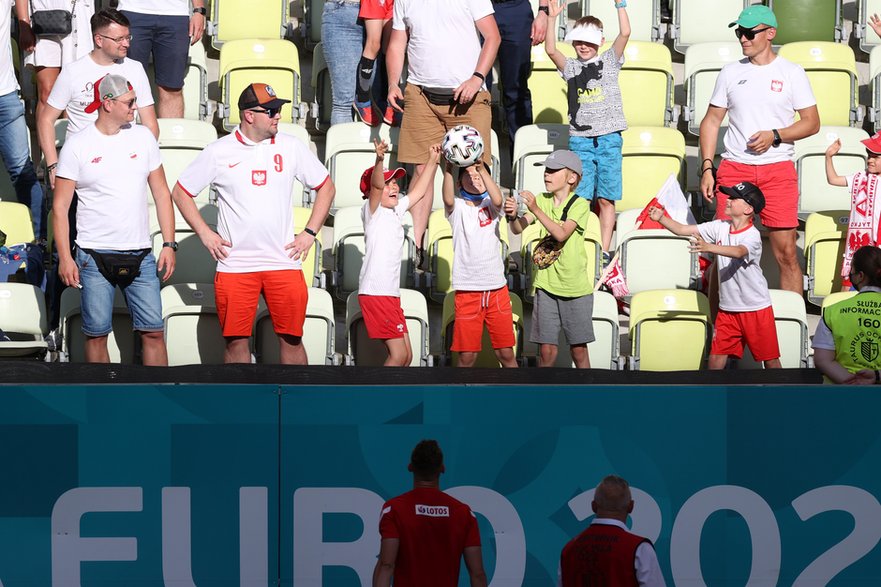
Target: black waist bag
x,y
118,268
439,96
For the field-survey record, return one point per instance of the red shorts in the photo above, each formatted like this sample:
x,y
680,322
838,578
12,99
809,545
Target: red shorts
x,y
778,182
476,308
237,295
756,329
376,9
383,316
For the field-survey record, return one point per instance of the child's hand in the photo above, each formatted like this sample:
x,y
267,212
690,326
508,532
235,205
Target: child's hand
x,y
381,147
555,7
875,23
528,198
834,148
698,245
434,153
511,207
656,213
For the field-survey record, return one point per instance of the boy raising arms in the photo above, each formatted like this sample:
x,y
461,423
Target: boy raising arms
x,y
745,313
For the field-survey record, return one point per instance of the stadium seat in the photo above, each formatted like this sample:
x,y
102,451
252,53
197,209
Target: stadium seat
x,y
654,258
548,88
192,329
319,331
365,351
349,150
832,71
302,196
645,18
349,246
532,144
807,20
246,19
180,142
605,350
646,82
791,319
693,24
486,357
271,61
703,62
321,90
535,232
439,279
669,330
650,155
120,341
861,29
15,222
815,193
825,233
196,85
23,320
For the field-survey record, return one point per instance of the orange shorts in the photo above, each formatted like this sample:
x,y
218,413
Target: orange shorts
x,y
778,182
377,9
383,317
476,308
237,295
756,329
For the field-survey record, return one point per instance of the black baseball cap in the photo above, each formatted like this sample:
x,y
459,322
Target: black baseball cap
x,y
748,192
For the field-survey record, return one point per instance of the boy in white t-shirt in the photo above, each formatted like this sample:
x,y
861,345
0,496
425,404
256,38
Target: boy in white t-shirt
x,y
379,290
745,313
473,206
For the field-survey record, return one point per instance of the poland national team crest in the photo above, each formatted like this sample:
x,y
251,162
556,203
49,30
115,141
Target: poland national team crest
x,y
776,85
258,177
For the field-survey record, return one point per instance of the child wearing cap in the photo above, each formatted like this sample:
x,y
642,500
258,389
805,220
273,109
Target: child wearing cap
x,y
596,113
563,289
473,207
865,207
379,292
745,314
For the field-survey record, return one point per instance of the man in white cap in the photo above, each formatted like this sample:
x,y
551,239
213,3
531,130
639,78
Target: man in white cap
x,y
253,170
761,94
110,163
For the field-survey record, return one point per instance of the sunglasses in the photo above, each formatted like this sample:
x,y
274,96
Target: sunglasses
x,y
129,103
750,34
270,112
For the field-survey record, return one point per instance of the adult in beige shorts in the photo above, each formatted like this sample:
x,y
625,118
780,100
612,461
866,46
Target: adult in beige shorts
x,y
446,71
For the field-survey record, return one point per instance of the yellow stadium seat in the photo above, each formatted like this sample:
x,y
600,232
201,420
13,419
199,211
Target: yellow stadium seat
x,y
650,155
196,84
486,357
669,330
703,62
319,332
15,222
605,350
532,144
23,320
120,341
349,150
791,320
832,71
646,82
246,19
365,351
815,193
825,233
548,88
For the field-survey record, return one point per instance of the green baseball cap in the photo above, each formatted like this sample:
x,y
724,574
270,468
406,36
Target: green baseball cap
x,y
754,15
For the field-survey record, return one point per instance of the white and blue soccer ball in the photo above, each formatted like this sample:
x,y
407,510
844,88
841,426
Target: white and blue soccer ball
x,y
462,145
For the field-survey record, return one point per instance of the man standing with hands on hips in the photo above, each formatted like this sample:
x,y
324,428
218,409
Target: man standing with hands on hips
x,y
761,94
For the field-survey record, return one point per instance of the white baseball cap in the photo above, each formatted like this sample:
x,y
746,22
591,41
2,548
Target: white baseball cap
x,y
589,33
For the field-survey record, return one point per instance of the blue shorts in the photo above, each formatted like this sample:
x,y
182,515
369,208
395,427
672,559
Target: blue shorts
x,y
141,296
601,158
167,38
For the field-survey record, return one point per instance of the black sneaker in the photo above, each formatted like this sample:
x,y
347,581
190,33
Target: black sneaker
x,y
420,257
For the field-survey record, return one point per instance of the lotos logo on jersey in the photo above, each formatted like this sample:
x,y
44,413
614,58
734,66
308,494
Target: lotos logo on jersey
x,y
776,85
258,177
433,511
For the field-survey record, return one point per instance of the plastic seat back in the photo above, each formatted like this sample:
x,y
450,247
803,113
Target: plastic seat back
x,y
868,38
120,341
318,332
650,155
23,319
349,150
832,71
703,62
825,233
693,24
548,88
605,350
246,19
15,222
195,88
662,320
532,144
646,82
815,193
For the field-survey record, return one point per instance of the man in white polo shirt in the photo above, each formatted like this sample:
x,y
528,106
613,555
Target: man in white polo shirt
x,y
253,170
110,163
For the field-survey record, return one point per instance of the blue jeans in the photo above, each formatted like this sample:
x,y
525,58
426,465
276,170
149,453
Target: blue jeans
x,y
342,37
141,296
16,156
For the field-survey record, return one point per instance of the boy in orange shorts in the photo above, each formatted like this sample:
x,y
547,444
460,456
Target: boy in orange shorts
x,y
379,290
745,313
473,206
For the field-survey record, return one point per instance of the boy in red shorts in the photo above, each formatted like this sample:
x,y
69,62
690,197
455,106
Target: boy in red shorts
x,y
745,313
379,289
473,206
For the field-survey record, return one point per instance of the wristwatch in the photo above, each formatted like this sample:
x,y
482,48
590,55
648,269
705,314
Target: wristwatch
x,y
200,10
544,9
777,140
171,245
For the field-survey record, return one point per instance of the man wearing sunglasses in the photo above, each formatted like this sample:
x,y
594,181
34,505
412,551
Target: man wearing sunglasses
x,y
257,251
761,94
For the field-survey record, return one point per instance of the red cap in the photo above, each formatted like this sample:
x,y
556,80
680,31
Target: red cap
x,y
386,176
873,144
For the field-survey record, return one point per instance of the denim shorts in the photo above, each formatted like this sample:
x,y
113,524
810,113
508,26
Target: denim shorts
x,y
141,296
601,158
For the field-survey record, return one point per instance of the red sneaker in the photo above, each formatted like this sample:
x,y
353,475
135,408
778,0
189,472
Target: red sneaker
x,y
367,113
391,116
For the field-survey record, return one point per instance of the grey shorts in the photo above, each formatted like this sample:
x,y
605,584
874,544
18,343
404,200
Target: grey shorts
x,y
573,315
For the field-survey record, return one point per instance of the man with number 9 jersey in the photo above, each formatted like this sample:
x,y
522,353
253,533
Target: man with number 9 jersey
x,y
253,170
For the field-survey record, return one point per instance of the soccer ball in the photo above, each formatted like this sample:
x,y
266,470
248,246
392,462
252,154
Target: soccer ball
x,y
462,145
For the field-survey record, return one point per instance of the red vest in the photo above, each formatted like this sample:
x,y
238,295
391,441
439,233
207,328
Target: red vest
x,y
601,556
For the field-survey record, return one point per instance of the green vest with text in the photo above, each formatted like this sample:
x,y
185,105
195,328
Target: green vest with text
x,y
856,327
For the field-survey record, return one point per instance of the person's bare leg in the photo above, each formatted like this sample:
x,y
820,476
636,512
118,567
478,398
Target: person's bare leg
x,y
580,356
466,359
717,362
506,357
607,221
784,249
238,349
400,354
96,349
547,355
292,351
773,364
170,103
153,350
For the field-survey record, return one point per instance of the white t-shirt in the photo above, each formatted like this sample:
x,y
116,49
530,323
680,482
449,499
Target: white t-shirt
x,y
254,183
111,183
477,252
742,285
760,97
384,242
73,90
443,46
166,7
8,83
